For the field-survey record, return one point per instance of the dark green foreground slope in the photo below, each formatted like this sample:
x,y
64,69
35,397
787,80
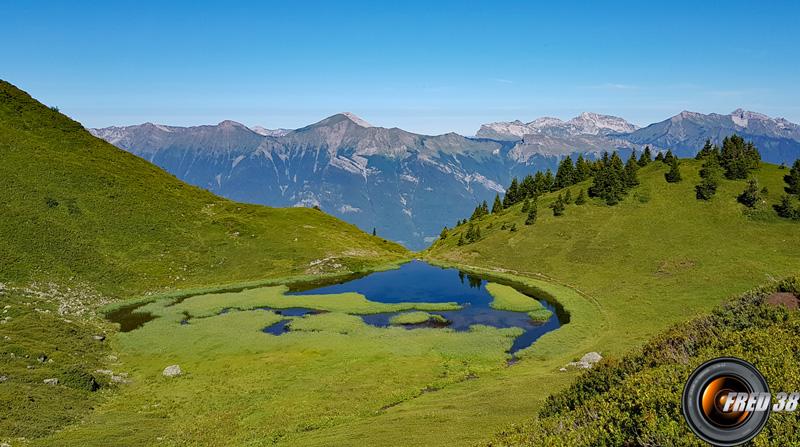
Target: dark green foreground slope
x,y
635,400
77,209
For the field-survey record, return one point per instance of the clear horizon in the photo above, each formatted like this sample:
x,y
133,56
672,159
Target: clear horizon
x,y
429,69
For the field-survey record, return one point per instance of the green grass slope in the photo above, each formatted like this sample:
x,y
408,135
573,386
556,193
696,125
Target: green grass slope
x,y
635,400
83,224
77,209
657,258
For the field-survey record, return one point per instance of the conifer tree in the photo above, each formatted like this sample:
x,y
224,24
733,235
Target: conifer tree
x,y
608,181
793,179
786,209
660,157
538,184
706,151
674,174
471,233
528,187
526,205
582,169
512,193
710,175
738,158
558,206
532,213
498,204
460,240
568,197
630,177
565,176
581,199
374,232
484,209
668,157
443,234
548,181
646,158
750,197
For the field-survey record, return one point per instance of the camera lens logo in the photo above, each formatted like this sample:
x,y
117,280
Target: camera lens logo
x,y
726,401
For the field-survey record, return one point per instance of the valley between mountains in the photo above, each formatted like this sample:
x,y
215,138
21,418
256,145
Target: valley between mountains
x,y
143,309
408,186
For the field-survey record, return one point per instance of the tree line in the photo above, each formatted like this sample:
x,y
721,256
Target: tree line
x,y
612,178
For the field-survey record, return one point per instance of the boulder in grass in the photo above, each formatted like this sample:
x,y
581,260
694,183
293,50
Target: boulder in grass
x,y
52,381
172,371
587,361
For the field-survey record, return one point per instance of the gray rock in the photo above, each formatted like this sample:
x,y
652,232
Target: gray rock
x,y
587,361
591,357
119,379
3,379
52,381
172,371
42,358
99,337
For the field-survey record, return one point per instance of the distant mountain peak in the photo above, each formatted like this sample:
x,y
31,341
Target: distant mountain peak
x,y
342,117
270,132
230,123
587,123
352,117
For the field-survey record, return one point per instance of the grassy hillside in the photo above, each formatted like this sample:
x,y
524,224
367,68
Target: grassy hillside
x,y
635,400
77,209
84,224
657,258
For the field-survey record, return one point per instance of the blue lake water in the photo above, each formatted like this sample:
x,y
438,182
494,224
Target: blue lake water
x,y
417,281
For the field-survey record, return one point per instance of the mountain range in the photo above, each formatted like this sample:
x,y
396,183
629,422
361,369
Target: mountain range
x,y
407,186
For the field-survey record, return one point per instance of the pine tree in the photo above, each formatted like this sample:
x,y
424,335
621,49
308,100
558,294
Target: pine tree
x,y
668,157
526,205
532,213
710,175
549,182
750,197
471,233
528,187
674,174
443,234
660,157
793,179
568,197
581,199
582,169
706,151
484,209
460,240
738,158
646,158
374,232
786,209
630,177
512,193
498,205
565,176
608,181
558,206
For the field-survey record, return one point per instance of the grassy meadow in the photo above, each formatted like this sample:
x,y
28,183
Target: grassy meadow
x,y
88,229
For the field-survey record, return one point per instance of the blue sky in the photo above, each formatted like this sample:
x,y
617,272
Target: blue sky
x,y
415,65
